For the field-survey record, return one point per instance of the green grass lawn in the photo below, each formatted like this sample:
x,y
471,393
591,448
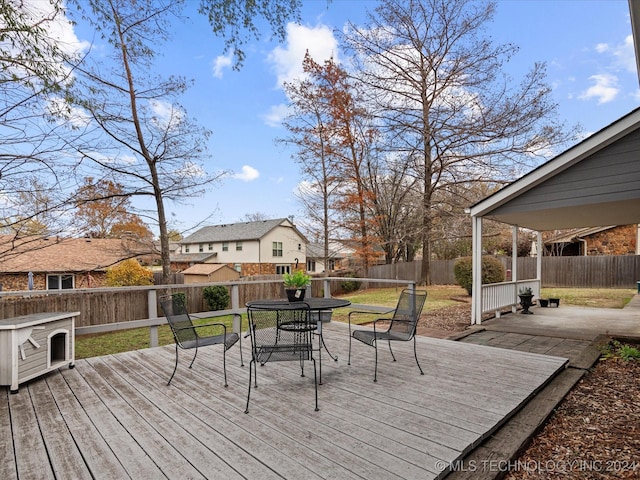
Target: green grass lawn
x,y
439,296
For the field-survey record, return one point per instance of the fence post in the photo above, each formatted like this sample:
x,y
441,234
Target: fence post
x,y
152,306
327,288
235,303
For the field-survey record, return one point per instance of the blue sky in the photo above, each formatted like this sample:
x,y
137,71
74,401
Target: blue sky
x,y
585,43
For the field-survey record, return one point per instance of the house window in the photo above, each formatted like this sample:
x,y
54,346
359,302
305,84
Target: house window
x,y
186,249
277,249
282,269
311,265
201,248
238,267
59,282
225,246
211,247
238,246
332,264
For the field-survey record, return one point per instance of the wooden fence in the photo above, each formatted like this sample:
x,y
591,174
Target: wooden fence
x,y
621,271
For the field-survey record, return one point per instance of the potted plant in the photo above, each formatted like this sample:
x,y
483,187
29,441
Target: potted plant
x,y
526,296
295,285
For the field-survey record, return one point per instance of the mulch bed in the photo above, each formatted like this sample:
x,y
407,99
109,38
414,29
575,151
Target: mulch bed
x,y
595,431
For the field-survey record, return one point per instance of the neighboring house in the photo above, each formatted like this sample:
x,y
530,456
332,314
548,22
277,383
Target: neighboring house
x,y
53,263
210,272
251,248
316,259
609,240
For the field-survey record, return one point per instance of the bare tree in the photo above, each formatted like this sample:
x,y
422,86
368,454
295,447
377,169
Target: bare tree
x,y
443,101
310,129
35,69
134,130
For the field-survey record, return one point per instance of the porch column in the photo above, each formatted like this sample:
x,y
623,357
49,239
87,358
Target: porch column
x,y
539,262
476,263
514,265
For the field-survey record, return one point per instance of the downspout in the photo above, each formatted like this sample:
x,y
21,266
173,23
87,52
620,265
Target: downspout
x,y
259,257
584,245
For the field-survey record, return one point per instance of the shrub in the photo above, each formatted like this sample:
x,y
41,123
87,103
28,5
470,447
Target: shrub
x,y
492,271
128,274
216,296
349,286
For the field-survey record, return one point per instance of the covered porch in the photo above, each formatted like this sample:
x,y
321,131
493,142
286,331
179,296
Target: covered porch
x,y
595,183
114,416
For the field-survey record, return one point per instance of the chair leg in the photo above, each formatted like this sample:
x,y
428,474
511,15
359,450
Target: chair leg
x,y
392,355
194,357
415,353
246,410
224,366
375,372
174,368
315,381
349,359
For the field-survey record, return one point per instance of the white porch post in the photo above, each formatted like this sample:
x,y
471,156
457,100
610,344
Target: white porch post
x,y
476,287
514,264
539,262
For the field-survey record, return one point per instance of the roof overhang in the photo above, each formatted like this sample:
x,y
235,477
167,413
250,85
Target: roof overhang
x,y
634,10
621,212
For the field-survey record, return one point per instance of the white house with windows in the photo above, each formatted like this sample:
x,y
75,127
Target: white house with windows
x,y
252,248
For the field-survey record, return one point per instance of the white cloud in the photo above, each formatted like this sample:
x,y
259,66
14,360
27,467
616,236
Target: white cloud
x,y
276,114
221,63
623,55
164,114
287,60
248,174
75,116
605,88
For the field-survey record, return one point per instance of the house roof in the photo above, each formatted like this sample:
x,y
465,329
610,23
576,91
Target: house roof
x,y
594,183
577,234
316,250
206,268
193,257
234,232
66,254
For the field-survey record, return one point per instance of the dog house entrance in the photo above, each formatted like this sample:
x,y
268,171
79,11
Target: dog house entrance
x,y
58,348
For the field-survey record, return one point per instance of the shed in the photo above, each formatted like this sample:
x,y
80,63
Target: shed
x,y
210,272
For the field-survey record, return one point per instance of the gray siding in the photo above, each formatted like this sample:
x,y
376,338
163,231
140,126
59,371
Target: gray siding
x,y
609,175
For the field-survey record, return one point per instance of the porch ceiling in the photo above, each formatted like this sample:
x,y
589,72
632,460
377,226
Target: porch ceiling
x,y
592,215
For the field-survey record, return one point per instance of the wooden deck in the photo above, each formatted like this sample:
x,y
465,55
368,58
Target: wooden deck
x,y
114,416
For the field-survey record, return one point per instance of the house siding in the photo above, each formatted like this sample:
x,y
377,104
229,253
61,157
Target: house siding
x,y
19,281
609,175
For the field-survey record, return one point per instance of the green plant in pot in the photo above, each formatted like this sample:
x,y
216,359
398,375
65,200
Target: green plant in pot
x,y
526,296
295,285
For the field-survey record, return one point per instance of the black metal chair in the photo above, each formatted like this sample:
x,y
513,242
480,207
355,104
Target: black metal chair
x,y
402,326
186,335
279,334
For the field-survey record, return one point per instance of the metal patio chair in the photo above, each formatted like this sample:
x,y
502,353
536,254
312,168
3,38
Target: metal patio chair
x,y
401,326
187,336
279,334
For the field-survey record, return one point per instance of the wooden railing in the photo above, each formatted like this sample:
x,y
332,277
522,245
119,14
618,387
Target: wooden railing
x,y
112,309
496,296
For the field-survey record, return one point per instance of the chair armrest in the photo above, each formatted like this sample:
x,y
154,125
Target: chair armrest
x,y
214,324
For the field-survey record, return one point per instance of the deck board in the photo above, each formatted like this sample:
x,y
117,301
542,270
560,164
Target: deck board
x,y
114,416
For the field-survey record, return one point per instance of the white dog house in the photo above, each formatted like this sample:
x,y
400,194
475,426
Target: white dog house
x,y
32,345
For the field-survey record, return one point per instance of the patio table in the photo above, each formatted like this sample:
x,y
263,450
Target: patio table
x,y
316,304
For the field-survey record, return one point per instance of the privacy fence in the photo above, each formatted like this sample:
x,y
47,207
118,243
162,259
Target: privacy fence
x,y
584,272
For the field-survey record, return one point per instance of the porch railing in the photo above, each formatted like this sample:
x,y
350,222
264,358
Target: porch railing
x,y
496,296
